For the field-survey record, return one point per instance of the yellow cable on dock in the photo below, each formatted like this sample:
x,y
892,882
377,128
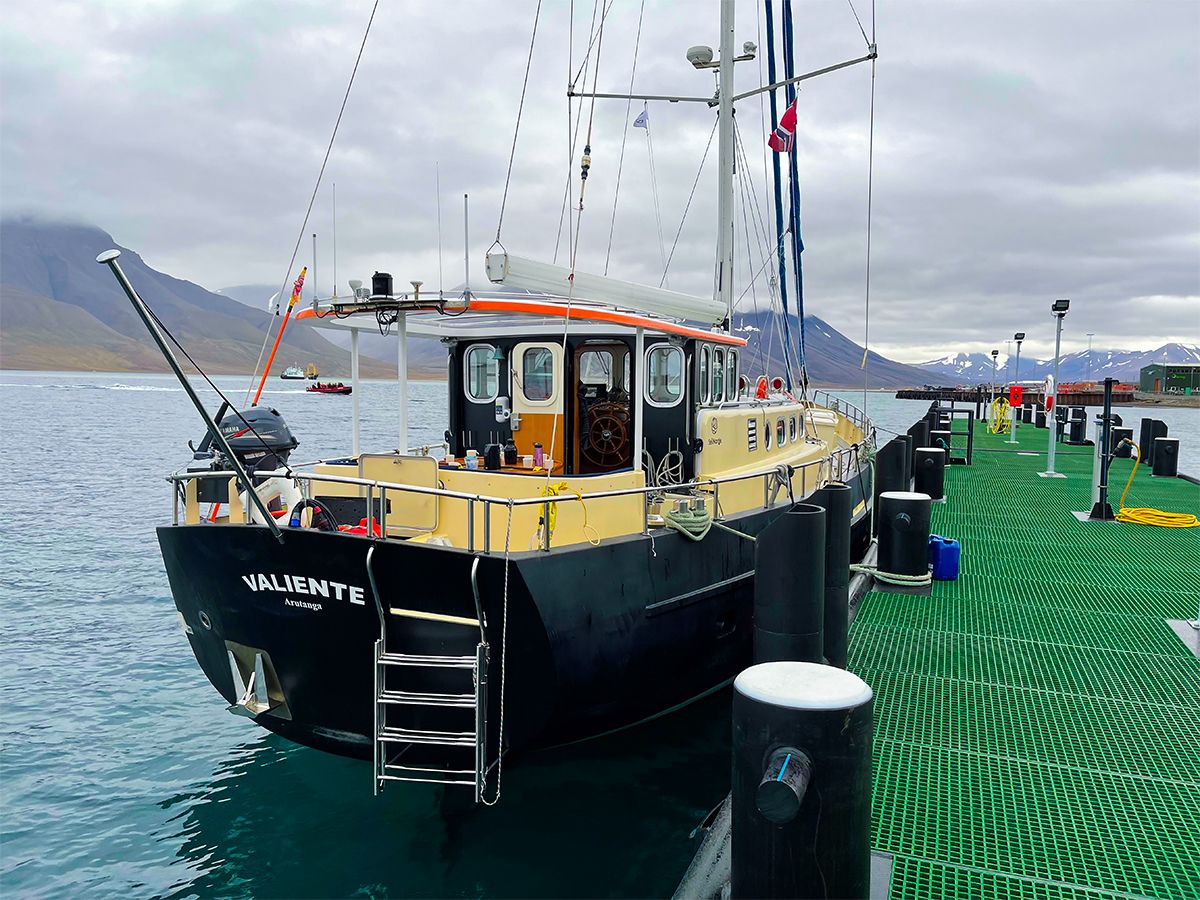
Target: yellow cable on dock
x,y
1000,422
1146,515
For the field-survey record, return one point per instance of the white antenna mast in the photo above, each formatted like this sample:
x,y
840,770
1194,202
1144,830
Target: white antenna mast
x,y
466,248
437,186
335,240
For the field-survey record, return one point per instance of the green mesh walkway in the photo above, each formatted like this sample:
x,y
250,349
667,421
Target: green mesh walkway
x,y
1037,724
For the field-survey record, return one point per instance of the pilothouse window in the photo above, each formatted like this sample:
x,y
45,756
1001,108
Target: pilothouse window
x,y
537,373
718,376
664,375
483,373
703,375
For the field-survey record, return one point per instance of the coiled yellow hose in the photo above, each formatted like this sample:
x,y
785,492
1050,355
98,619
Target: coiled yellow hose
x,y
999,423
1146,515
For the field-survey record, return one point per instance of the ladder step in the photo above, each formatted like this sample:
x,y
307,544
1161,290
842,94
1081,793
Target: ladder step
x,y
395,767
413,659
415,736
415,698
411,778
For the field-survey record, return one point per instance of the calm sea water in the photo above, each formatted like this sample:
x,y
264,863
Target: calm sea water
x,y
121,773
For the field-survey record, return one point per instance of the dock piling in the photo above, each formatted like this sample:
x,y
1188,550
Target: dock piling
x,y
801,802
836,501
930,475
789,586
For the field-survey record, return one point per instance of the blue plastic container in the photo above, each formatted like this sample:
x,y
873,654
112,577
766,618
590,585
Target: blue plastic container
x,y
944,554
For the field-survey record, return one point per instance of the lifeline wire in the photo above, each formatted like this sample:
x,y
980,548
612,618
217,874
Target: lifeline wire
x,y
316,187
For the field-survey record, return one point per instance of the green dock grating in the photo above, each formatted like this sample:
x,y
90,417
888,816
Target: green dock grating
x,y
1037,723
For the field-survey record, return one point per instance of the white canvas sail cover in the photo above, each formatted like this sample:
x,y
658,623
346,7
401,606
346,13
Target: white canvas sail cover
x,y
529,275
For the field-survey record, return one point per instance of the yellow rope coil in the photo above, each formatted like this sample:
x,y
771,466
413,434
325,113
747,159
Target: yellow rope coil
x,y
1146,515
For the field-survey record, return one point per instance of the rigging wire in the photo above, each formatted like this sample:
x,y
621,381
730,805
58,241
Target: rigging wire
x,y
859,21
662,248
316,187
624,135
512,153
870,197
572,135
688,206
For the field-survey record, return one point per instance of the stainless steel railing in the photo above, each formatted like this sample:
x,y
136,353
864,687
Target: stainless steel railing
x,y
836,464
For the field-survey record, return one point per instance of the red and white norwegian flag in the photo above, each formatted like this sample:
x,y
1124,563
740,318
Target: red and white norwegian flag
x,y
783,138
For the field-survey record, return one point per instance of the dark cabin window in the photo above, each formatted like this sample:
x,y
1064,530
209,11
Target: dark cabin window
x,y
537,373
703,376
731,378
718,376
780,433
483,373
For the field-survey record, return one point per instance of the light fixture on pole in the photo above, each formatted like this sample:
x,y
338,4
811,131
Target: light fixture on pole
x,y
1059,310
1012,431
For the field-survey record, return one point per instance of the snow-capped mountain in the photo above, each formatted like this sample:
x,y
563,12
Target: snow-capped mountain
x,y
1093,365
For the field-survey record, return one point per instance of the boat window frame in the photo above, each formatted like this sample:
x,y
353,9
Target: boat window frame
x,y
703,368
768,434
718,376
555,374
780,429
678,351
792,430
467,373
731,373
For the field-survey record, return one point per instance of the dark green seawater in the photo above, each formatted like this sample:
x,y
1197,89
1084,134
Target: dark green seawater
x,y
121,773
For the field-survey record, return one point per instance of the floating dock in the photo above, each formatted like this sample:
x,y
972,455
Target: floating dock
x,y
1037,721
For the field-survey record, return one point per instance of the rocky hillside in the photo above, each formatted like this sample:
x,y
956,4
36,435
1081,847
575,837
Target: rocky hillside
x,y
60,310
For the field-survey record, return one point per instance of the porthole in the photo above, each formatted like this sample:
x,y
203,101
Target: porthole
x,y
780,433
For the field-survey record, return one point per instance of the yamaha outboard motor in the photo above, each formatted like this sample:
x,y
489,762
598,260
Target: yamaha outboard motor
x,y
261,441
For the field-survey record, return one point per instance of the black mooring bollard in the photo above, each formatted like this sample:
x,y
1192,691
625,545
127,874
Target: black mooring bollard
x,y
889,469
909,446
1078,431
789,586
903,518
1120,437
1166,457
930,477
920,434
942,439
801,817
1040,421
836,500
1145,437
1158,429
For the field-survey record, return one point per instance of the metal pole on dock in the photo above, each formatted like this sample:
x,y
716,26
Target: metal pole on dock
x,y
801,801
1018,337
1053,397
1101,510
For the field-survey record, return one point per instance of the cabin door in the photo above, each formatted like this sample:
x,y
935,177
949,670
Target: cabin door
x,y
537,401
603,416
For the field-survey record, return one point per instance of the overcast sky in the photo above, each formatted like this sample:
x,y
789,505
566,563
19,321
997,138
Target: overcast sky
x,y
1023,150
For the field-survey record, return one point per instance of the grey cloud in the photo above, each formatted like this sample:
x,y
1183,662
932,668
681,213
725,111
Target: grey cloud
x,y
1023,150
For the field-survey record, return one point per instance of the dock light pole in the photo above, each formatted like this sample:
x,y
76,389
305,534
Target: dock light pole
x,y
1058,309
995,353
1012,432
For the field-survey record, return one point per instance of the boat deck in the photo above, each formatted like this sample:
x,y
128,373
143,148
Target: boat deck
x,y
1037,722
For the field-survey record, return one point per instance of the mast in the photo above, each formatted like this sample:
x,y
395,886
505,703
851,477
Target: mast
x,y
725,148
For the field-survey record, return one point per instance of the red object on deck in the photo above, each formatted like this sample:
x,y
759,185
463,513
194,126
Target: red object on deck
x,y
1015,391
361,528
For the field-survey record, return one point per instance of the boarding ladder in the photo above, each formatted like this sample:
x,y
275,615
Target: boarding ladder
x,y
395,733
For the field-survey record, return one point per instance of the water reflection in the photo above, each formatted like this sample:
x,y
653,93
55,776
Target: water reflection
x,y
609,817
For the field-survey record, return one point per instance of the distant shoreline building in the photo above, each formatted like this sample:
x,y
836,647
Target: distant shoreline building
x,y
1170,378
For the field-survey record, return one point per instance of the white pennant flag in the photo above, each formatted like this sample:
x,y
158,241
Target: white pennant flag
x,y
643,119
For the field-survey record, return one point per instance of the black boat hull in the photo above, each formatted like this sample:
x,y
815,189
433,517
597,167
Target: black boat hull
x,y
591,638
